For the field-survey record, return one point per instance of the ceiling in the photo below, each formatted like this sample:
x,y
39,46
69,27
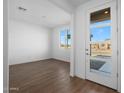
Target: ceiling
x,y
40,12
76,3
49,13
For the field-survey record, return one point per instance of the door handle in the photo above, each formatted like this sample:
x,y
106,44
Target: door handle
x,y
87,54
86,49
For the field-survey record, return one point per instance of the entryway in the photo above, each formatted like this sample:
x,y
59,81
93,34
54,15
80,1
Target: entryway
x,y
101,45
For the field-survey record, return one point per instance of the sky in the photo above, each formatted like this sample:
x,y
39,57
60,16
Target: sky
x,y
63,34
100,33
62,37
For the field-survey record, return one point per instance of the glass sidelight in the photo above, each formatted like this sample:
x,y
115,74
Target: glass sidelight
x,y
100,41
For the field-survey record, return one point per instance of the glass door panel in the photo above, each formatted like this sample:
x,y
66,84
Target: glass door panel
x,y
100,41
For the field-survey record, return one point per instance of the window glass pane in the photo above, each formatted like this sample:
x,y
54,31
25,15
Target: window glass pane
x,y
101,31
65,38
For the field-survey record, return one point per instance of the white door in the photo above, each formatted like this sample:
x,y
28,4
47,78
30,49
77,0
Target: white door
x,y
101,45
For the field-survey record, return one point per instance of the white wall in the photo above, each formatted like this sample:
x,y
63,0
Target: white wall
x,y
72,55
28,42
79,41
57,51
4,64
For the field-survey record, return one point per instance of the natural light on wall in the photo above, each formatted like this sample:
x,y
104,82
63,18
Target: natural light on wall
x,y
65,37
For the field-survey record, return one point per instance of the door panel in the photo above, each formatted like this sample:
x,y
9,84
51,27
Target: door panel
x,y
100,41
101,44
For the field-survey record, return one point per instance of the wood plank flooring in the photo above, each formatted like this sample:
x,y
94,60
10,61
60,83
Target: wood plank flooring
x,y
49,76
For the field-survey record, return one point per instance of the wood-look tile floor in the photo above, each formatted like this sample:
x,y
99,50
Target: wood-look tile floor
x,y
49,76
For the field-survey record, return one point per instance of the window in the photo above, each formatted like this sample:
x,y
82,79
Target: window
x,y
65,38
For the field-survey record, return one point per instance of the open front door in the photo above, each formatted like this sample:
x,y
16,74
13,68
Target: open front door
x,y
101,45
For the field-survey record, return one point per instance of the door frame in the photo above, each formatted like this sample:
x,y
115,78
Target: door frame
x,y
73,61
102,6
119,43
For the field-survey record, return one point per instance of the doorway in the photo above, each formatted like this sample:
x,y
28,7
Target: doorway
x,y
101,45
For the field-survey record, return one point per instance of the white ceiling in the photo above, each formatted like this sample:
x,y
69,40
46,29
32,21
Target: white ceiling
x,y
64,4
76,3
50,13
39,12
